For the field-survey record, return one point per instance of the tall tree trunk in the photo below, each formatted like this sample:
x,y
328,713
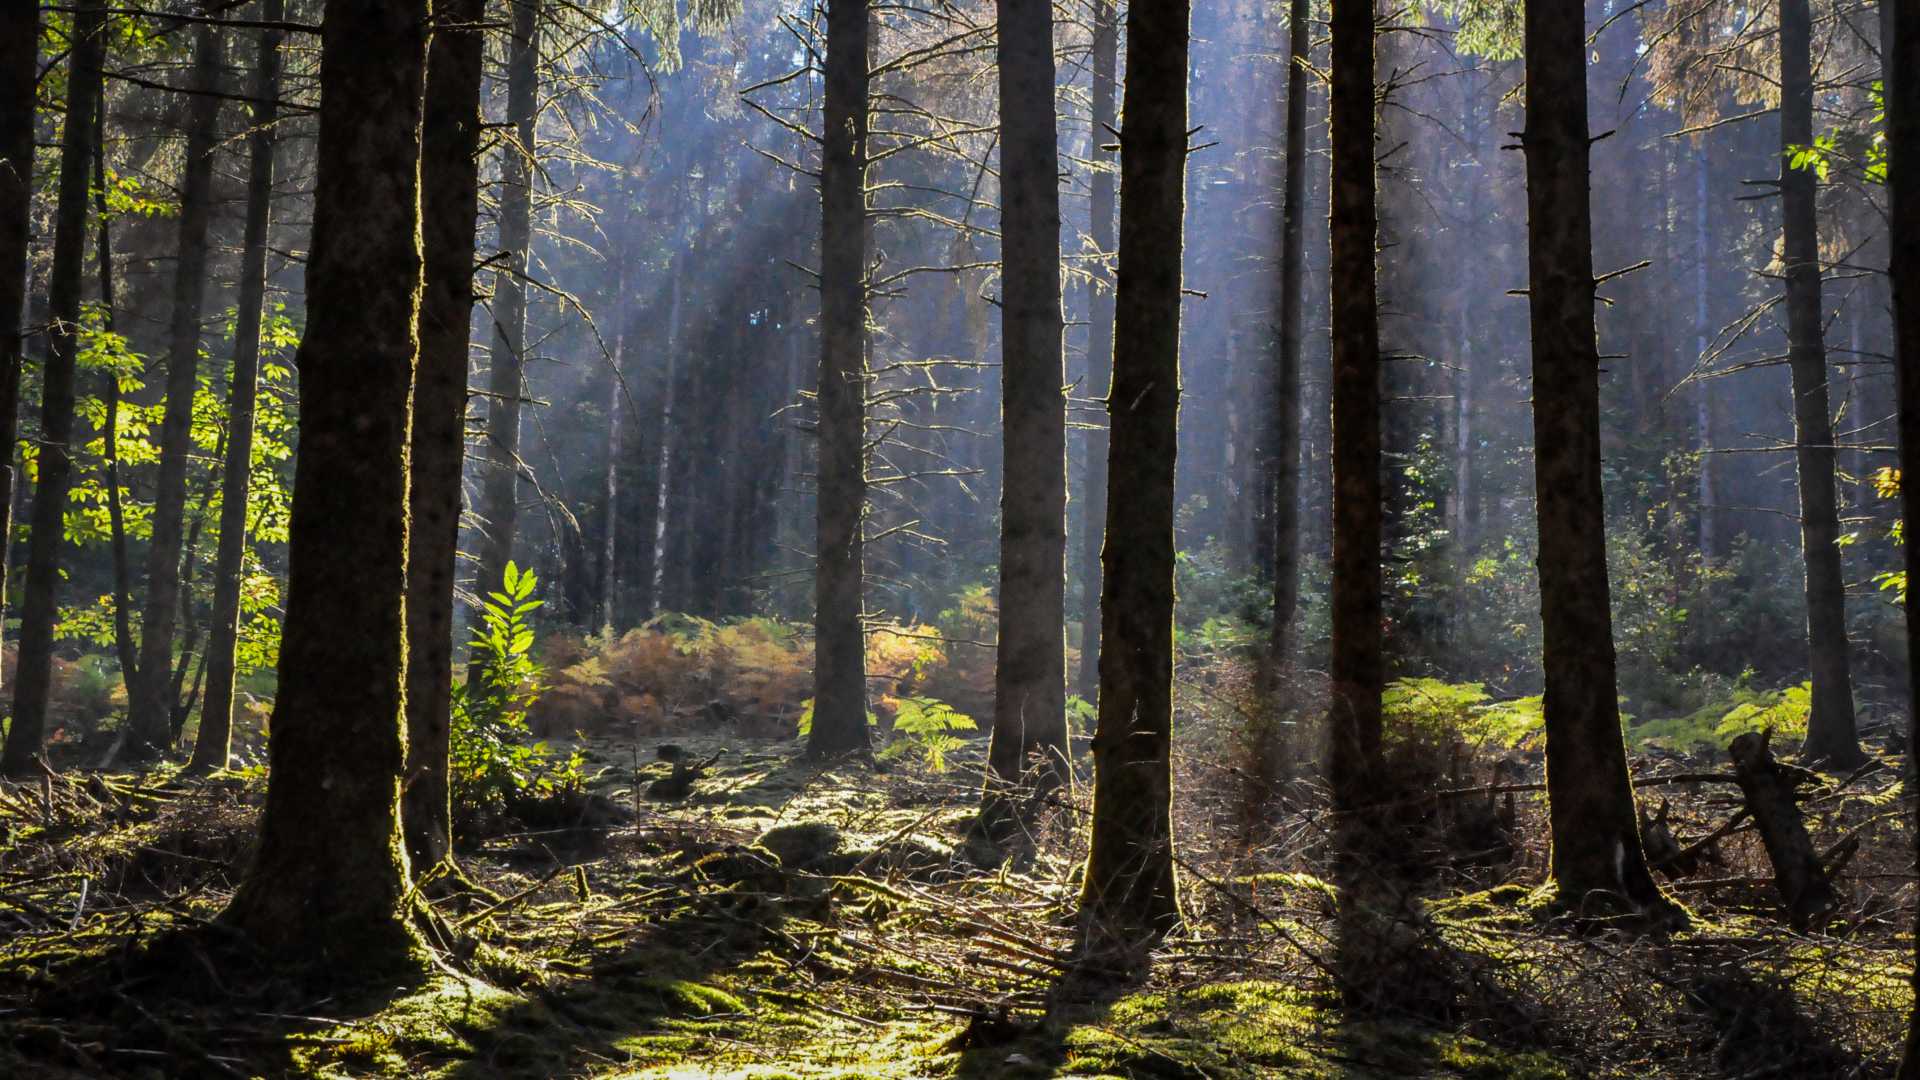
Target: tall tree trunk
x,y
1286,417
499,493
126,649
1129,898
149,704
617,419
19,63
1596,852
1702,401
214,742
654,596
839,641
1030,668
1093,515
328,887
34,675
450,183
1358,672
1900,85
1830,728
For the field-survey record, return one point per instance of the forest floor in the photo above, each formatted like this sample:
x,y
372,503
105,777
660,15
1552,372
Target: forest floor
x,y
791,920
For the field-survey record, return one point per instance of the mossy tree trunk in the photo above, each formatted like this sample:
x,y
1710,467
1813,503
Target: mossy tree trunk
x,y
1030,669
1900,68
19,57
839,660
1286,392
78,145
1130,898
500,487
1357,670
328,885
1596,851
214,742
149,689
1830,726
450,202
1093,512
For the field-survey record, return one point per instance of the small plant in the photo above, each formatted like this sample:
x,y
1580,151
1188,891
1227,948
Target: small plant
x,y
925,726
492,761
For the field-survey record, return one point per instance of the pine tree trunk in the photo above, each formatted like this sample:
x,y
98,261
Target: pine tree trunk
x,y
1596,853
149,704
839,661
214,741
19,65
1030,670
34,675
1106,60
328,888
1286,417
1129,898
126,649
450,188
1900,76
1357,670
499,493
1702,402
1830,726
617,421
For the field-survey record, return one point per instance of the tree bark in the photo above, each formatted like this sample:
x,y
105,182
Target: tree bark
x,y
34,675
1596,849
1830,727
1030,669
213,744
1769,791
1106,61
1286,417
328,887
149,704
450,183
839,641
499,493
1358,672
19,64
126,649
1130,898
1900,57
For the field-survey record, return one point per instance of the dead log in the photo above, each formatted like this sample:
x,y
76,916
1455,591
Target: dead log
x,y
1769,787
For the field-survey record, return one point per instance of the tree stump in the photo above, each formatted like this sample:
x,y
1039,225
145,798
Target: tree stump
x,y
1769,789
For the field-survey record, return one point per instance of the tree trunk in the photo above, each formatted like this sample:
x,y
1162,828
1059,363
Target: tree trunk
x,y
34,675
839,642
1357,671
450,183
617,419
1093,516
1596,851
1129,899
19,65
1770,793
1286,417
148,703
1830,728
1702,402
126,649
1030,669
499,493
328,888
214,741
1900,57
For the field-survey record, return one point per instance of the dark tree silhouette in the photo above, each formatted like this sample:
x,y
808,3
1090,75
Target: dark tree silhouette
x,y
19,63
1093,500
1286,397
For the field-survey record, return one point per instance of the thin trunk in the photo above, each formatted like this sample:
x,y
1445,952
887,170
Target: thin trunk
x,y
34,676
1702,403
126,649
1357,670
1596,852
1106,60
1900,56
177,707
499,494
1286,416
616,421
1830,728
656,576
1030,669
450,181
149,703
1130,898
19,64
214,741
327,891
839,662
